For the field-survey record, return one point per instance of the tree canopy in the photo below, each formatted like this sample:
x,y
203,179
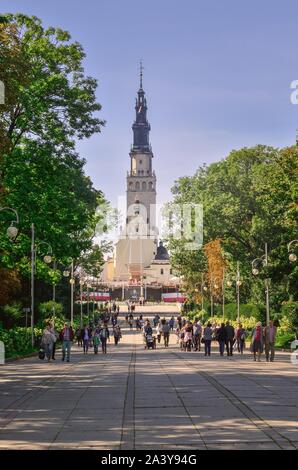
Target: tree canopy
x,y
248,198
50,103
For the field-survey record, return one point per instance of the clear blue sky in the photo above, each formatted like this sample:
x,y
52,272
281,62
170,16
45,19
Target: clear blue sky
x,y
217,77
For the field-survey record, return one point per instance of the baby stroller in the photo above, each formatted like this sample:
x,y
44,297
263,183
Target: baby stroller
x,y
150,342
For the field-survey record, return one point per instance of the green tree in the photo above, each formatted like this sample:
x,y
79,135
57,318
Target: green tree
x,y
50,103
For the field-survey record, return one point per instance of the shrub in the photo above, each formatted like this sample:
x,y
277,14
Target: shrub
x,y
17,341
246,311
10,314
289,310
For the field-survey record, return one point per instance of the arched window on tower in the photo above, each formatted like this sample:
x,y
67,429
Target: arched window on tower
x,y
137,185
144,186
150,186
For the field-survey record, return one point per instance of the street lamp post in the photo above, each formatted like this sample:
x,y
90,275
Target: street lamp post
x,y
202,291
223,292
88,299
66,273
47,259
264,261
12,230
228,280
238,284
81,298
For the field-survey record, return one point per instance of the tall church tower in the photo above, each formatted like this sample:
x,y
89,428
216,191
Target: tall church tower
x,y
141,179
137,245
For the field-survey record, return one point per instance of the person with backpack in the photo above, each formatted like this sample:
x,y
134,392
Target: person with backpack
x,y
240,335
66,336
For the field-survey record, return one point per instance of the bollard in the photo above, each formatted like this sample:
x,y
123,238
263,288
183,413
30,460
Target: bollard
x,y
2,353
2,93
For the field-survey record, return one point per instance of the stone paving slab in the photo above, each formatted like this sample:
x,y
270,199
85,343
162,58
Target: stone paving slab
x,y
150,400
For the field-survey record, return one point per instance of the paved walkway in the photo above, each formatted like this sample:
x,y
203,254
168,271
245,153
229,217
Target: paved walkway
x,y
138,399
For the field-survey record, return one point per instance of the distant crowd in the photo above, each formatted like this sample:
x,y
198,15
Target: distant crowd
x,y
190,335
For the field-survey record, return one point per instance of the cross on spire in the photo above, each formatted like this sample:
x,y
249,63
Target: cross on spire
x,y
141,74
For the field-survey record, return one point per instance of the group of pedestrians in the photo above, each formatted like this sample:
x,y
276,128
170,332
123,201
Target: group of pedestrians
x,y
263,338
94,337
87,337
49,340
162,329
191,335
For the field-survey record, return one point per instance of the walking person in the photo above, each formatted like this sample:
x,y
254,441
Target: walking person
x,y
158,332
165,330
56,335
66,336
207,337
48,339
221,336
79,336
117,334
230,338
104,337
188,336
257,343
270,336
197,335
172,323
86,335
96,340
240,338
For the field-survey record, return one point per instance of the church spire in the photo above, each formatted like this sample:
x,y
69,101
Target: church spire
x,y
141,126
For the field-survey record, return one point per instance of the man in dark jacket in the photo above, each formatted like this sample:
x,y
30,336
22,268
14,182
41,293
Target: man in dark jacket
x,y
221,336
230,338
